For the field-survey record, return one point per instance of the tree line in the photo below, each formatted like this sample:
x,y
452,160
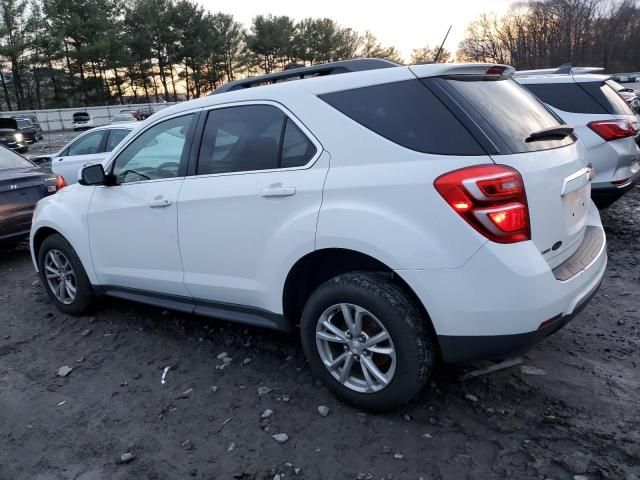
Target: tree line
x,y
62,53
548,33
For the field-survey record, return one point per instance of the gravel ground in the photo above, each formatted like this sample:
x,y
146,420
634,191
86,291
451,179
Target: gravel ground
x,y
574,416
51,143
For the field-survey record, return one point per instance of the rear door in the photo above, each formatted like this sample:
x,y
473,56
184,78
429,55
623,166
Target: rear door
x,y
87,148
555,174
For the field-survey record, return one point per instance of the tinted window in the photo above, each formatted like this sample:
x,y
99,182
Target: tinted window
x,y
569,97
297,149
616,103
510,109
251,137
115,137
406,113
9,159
87,145
156,153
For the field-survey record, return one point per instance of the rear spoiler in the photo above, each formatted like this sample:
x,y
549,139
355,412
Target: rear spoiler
x,y
439,69
564,69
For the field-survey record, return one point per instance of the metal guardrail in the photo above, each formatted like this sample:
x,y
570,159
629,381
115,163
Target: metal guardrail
x,y
56,120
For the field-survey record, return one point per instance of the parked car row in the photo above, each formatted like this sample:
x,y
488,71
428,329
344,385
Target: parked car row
x,y
396,216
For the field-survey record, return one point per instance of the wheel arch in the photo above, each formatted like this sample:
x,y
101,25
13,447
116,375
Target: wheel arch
x,y
316,267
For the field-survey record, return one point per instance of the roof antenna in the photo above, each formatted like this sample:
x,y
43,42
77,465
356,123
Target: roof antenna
x,y
435,60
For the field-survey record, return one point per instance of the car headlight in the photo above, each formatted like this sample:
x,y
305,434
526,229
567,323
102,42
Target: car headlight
x,y
18,137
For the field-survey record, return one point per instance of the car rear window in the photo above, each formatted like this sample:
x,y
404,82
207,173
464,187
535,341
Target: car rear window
x,y
568,97
408,114
582,97
615,102
510,109
9,159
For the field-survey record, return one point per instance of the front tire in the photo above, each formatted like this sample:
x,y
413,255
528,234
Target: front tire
x,y
63,276
367,340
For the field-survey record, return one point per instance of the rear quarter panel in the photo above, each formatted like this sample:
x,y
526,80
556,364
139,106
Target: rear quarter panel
x,y
379,197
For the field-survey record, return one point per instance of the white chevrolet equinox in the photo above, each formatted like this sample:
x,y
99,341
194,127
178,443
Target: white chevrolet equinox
x,y
397,215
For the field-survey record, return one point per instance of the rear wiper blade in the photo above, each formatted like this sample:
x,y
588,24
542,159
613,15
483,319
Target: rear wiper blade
x,y
551,133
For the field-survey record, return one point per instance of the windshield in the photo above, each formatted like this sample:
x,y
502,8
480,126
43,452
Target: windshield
x,y
24,123
10,159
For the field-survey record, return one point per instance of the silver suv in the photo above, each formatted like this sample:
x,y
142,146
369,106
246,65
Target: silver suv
x,y
601,119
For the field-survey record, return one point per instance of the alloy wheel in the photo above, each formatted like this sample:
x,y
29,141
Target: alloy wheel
x,y
60,276
356,348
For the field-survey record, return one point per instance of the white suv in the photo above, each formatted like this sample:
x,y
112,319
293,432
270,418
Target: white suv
x,y
397,215
603,122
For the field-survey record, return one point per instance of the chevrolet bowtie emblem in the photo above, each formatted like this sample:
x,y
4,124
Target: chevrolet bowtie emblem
x,y
13,187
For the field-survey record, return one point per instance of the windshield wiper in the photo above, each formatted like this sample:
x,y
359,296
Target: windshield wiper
x,y
551,133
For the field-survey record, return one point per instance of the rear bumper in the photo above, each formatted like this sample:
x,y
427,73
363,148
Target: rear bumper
x,y
507,298
605,195
457,349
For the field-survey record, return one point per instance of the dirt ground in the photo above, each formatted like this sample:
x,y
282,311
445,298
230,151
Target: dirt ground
x,y
51,143
576,417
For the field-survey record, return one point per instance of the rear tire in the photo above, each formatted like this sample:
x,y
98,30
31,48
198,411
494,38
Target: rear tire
x,y
387,373
63,276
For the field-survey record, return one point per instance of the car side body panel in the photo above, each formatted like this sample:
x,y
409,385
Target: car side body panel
x,y
66,213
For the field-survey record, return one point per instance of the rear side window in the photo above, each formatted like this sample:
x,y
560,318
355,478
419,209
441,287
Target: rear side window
x,y
251,137
568,97
115,137
511,110
408,114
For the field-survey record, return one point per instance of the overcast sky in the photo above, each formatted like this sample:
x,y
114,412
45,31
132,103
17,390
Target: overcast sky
x,y
405,24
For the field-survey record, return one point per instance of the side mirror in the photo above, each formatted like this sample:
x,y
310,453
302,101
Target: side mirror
x,y
92,175
40,159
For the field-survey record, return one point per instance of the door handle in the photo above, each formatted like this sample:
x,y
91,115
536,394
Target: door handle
x,y
160,203
278,191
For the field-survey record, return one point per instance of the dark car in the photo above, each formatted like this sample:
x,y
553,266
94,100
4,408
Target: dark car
x,y
22,184
11,136
145,112
34,123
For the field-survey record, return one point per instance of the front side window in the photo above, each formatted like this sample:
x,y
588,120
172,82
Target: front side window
x,y
87,145
156,153
251,137
115,137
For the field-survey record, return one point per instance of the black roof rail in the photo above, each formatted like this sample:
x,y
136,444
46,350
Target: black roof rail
x,y
332,68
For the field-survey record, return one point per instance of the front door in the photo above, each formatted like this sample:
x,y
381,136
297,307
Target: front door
x,y
133,224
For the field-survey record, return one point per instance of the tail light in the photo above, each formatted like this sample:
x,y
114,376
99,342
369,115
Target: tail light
x,y
60,183
613,129
491,198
